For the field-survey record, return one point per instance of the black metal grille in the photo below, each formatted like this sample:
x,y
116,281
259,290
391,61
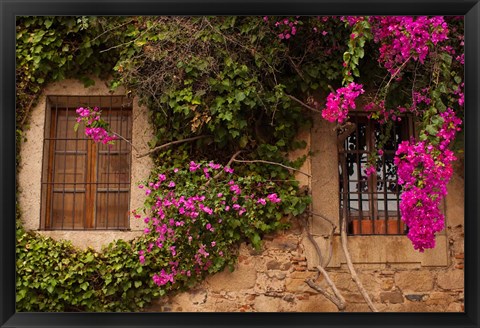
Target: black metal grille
x,y
371,204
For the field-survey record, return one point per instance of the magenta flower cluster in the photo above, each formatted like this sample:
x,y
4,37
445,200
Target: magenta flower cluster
x,y
189,224
94,125
405,37
424,170
341,101
352,20
287,27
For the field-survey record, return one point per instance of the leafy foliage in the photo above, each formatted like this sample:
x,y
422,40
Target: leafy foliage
x,y
198,215
55,276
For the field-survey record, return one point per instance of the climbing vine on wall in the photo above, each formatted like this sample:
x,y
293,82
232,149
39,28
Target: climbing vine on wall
x,y
240,88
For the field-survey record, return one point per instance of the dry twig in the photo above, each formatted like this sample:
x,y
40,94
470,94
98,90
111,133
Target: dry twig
x,y
168,144
273,163
216,176
304,104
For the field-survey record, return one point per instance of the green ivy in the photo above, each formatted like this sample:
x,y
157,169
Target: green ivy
x,y
54,276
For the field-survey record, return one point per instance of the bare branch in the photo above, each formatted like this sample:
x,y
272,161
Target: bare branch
x,y
303,104
353,273
128,141
216,176
273,163
331,88
168,144
131,41
394,75
111,29
296,68
334,226
336,298
323,217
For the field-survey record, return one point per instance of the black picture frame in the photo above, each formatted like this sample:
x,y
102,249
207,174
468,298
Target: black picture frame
x,y
11,8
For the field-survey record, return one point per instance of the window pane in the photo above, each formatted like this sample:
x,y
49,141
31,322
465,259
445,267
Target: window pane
x,y
68,210
112,210
69,168
113,168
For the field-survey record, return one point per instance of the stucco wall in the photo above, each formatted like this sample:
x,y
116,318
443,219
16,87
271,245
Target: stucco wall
x,y
30,169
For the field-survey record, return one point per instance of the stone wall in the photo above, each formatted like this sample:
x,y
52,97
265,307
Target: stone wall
x,y
273,280
397,278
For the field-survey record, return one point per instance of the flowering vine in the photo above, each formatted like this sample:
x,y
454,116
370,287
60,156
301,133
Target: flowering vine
x,y
403,43
194,230
341,101
95,127
402,38
424,170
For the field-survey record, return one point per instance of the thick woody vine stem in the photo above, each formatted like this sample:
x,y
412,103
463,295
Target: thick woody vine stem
x,y
334,227
170,144
336,298
351,268
343,234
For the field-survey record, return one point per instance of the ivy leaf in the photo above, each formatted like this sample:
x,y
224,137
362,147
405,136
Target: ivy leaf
x,y
84,286
432,130
89,258
446,58
240,96
360,52
48,23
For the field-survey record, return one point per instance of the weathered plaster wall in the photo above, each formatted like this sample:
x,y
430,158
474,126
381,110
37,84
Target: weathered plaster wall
x,y
30,170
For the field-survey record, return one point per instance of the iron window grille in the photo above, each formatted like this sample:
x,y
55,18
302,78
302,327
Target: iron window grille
x,y
85,186
371,204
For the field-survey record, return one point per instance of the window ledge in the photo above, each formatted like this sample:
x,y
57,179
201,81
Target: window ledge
x,y
379,250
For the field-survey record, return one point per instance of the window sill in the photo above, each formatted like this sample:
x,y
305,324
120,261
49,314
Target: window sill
x,y
380,250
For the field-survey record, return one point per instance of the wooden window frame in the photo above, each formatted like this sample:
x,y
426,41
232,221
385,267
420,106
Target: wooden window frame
x,y
95,155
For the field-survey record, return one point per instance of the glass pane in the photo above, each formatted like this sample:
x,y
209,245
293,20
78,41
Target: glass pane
x,y
69,168
68,210
112,210
113,168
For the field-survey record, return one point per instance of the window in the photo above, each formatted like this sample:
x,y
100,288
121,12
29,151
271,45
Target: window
x,y
371,204
85,185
